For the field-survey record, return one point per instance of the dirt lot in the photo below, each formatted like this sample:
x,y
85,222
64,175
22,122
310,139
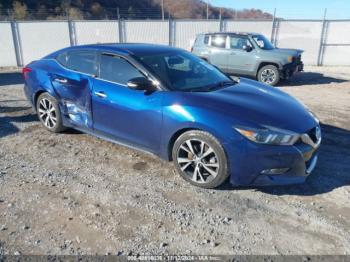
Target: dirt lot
x,y
75,194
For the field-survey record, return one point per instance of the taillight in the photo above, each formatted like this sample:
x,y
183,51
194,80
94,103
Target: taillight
x,y
25,72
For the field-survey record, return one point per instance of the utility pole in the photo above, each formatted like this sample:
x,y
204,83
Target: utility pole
x,y
220,14
207,9
162,9
323,39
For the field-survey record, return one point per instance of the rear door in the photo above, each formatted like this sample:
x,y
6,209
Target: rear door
x,y
73,84
218,53
129,115
239,60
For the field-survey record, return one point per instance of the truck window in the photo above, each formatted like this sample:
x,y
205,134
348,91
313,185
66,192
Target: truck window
x,y
237,42
206,40
218,41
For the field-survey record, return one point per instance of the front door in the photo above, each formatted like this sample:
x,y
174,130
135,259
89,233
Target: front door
x,y
240,61
131,116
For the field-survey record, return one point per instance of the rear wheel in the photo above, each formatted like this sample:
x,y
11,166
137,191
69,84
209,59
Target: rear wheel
x,y
200,159
269,75
49,113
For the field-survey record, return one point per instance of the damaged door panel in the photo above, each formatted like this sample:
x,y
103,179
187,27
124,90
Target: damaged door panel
x,y
75,94
74,86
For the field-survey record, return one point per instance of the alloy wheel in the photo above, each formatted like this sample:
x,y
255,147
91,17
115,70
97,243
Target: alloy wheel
x,y
268,76
47,113
198,161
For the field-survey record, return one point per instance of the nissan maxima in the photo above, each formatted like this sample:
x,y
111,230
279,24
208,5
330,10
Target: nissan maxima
x,y
175,105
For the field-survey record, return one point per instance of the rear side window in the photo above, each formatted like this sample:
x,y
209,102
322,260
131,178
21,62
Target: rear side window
x,y
218,41
116,69
62,58
81,61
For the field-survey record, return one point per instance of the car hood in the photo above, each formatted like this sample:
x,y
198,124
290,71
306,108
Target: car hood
x,y
257,105
286,51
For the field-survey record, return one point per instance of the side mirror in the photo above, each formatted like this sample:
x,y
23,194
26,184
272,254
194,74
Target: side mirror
x,y
247,48
142,84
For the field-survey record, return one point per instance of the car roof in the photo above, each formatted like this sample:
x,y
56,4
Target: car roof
x,y
127,48
231,33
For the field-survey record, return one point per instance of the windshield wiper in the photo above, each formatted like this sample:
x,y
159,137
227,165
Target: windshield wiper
x,y
221,84
213,87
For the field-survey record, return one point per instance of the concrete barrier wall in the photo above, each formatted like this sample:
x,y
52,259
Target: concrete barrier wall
x,y
338,32
7,48
186,31
261,27
93,32
301,35
39,38
156,32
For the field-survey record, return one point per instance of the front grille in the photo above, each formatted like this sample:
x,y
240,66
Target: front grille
x,y
299,59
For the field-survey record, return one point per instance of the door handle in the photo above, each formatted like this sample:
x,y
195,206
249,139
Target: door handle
x,y
61,80
101,94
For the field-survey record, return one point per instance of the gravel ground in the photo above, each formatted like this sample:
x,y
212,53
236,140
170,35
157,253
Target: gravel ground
x,y
72,193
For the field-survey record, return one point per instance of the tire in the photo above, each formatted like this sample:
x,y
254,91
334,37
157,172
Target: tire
x,y
49,113
203,164
269,75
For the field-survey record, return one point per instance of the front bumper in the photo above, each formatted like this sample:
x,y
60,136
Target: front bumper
x,y
248,161
289,70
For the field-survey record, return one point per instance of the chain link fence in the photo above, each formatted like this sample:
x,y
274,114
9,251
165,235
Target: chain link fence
x,y
325,42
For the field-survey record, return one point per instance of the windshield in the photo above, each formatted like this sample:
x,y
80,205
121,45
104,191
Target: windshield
x,y
263,42
182,71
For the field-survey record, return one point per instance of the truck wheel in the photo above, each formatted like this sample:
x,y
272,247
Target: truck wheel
x,y
269,75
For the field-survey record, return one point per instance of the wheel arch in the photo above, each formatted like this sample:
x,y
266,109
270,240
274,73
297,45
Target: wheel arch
x,y
181,130
174,137
265,63
36,96
41,91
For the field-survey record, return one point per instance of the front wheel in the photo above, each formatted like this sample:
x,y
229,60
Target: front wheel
x,y
269,75
200,159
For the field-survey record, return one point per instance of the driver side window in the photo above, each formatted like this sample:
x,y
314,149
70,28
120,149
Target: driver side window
x,y
116,69
237,42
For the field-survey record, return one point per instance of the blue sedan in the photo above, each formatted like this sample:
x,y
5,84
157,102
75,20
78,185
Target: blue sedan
x,y
173,104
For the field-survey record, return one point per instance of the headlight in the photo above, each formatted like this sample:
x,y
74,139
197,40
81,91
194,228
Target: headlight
x,y
269,135
290,59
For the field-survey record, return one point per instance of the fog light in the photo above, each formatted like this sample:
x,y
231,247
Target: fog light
x,y
275,171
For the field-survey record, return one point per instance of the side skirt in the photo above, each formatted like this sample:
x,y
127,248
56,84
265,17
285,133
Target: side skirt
x,y
112,140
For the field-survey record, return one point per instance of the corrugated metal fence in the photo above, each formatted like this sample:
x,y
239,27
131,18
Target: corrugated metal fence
x,y
326,42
